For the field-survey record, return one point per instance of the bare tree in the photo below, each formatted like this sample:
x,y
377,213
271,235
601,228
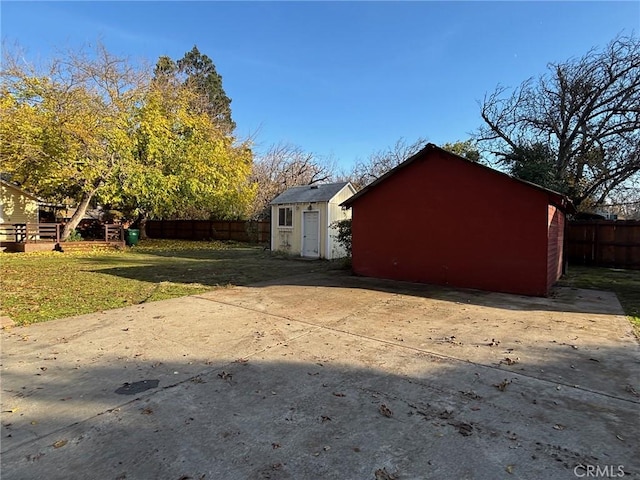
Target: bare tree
x,y
625,200
380,162
587,110
284,166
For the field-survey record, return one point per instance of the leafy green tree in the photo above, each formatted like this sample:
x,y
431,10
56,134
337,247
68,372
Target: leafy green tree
x,y
183,165
534,163
467,149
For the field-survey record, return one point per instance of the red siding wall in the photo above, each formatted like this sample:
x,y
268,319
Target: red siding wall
x,y
555,244
446,221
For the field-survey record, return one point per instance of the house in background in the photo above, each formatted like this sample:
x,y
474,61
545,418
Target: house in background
x,y
302,218
16,206
440,218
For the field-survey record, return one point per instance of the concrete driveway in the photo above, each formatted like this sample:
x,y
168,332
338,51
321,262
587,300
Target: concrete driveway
x,y
326,376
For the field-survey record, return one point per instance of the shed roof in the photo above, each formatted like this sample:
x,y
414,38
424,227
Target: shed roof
x,y
320,192
555,198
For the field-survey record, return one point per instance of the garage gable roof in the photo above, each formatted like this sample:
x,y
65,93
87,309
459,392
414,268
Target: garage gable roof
x,y
320,192
555,198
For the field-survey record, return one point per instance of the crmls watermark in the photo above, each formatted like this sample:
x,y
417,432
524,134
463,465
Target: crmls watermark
x,y
599,471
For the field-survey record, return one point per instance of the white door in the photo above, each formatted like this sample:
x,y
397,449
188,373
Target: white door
x,y
310,234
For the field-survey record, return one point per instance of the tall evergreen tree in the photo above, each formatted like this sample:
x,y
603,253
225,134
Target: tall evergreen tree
x,y
199,72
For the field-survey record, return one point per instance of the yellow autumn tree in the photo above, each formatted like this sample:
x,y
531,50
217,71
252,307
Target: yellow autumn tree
x,y
90,126
183,165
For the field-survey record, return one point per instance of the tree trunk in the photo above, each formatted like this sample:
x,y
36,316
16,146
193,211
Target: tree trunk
x,y
141,224
71,225
143,227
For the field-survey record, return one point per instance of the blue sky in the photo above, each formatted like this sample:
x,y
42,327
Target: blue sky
x,y
340,79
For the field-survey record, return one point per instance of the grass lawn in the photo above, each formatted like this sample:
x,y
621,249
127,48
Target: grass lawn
x,y
624,283
42,286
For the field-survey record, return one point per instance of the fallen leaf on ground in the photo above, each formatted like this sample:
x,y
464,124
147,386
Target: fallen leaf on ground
x,y
324,418
386,411
510,361
338,394
509,469
225,376
559,426
382,474
464,429
471,394
147,411
445,414
502,386
632,390
59,443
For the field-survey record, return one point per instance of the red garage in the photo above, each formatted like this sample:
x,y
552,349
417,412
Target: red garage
x,y
440,218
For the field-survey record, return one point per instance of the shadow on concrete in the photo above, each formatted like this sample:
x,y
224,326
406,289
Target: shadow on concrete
x,y
410,414
233,268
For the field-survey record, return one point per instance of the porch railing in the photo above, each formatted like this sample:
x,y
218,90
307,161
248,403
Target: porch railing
x,y
49,232
113,233
30,232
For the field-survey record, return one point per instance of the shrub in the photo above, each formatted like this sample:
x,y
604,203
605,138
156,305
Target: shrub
x,y
74,237
344,234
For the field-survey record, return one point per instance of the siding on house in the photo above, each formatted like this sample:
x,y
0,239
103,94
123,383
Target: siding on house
x,y
283,239
336,213
289,239
16,206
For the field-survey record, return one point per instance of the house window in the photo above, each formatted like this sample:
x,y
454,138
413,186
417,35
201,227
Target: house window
x,y
285,217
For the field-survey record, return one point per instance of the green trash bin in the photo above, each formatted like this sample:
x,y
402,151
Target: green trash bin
x,y
132,235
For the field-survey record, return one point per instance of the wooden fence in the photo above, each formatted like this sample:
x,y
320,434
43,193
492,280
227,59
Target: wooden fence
x,y
606,243
239,231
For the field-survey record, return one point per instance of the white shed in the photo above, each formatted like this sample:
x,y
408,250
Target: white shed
x,y
301,219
